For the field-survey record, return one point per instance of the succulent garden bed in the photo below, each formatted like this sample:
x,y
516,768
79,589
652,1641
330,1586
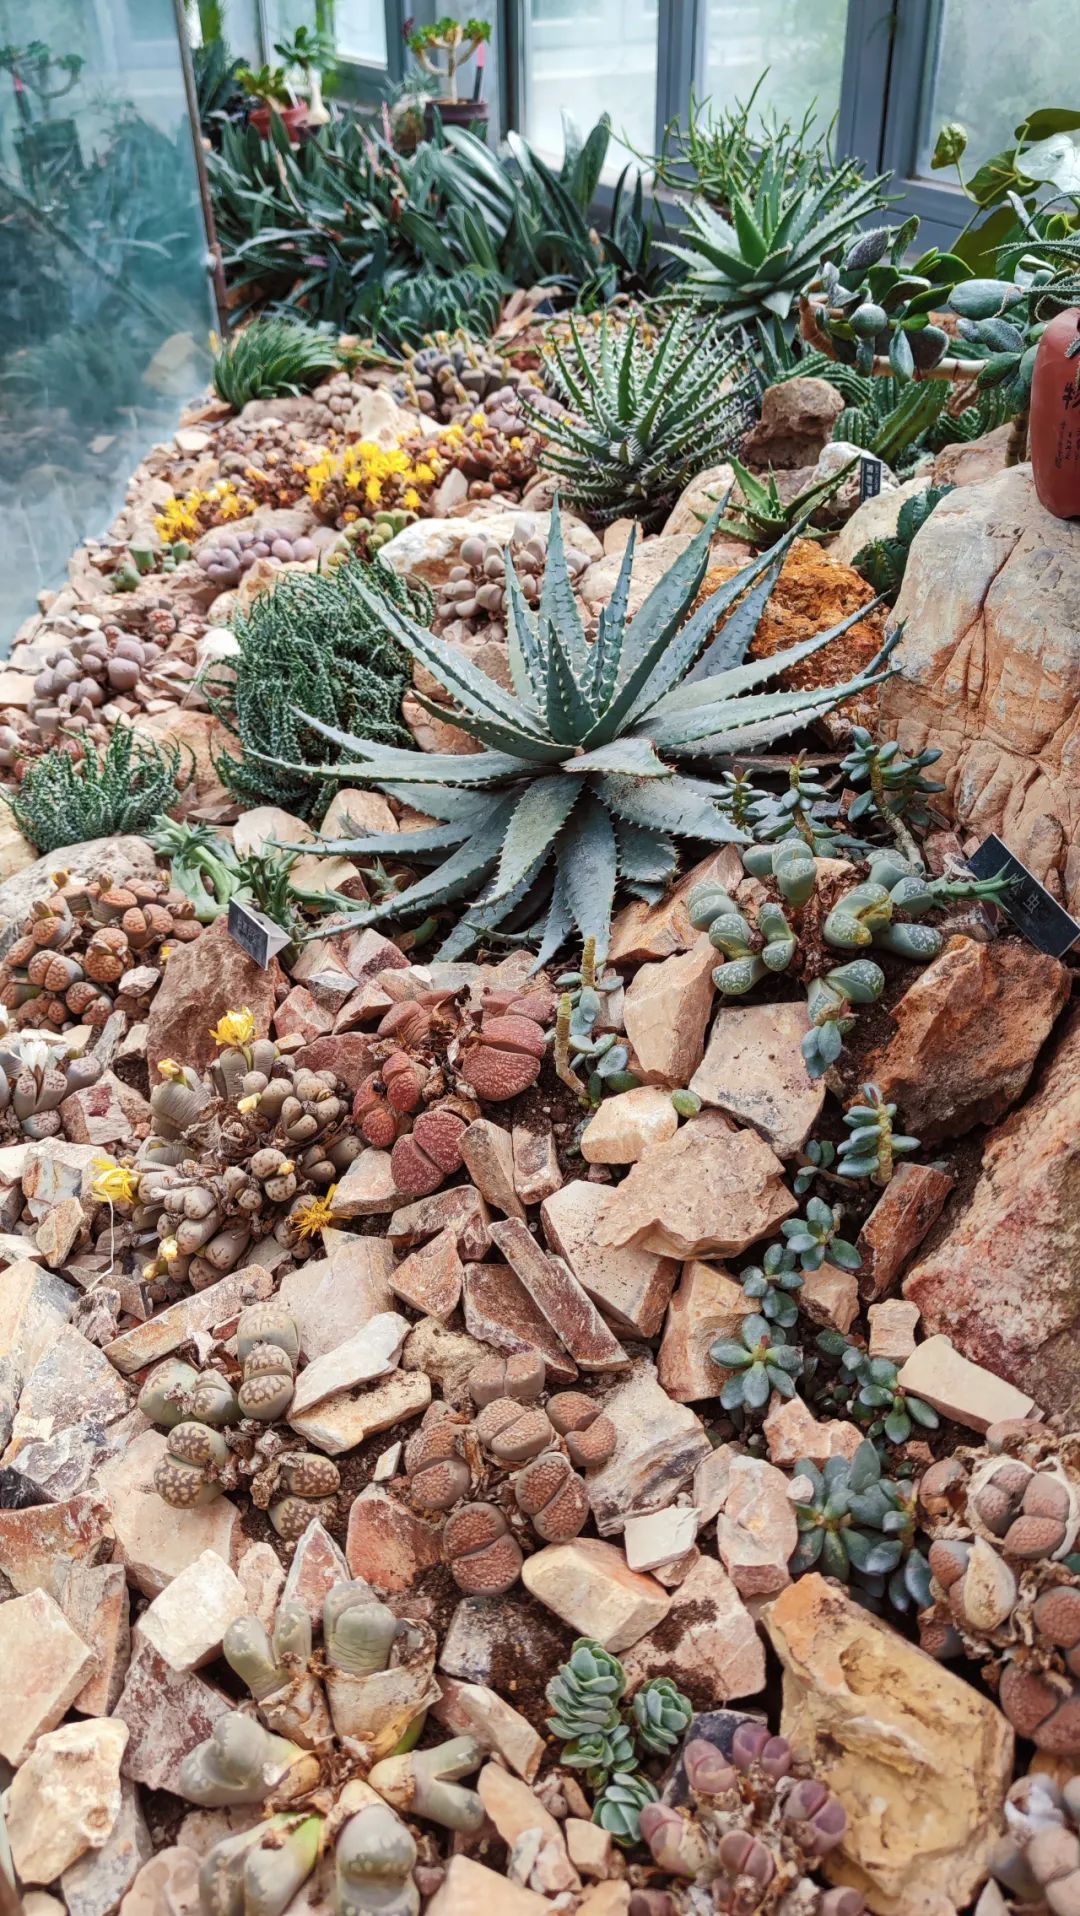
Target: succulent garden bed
x,y
557,1389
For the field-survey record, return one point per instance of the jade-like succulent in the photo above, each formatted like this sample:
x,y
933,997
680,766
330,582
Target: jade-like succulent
x,y
873,1146
792,821
259,1871
818,1154
854,1523
894,785
619,1804
590,1062
773,1285
662,1715
760,1360
752,1831
877,1400
374,1857
1004,1517
815,1238
241,1762
830,1005
425,1783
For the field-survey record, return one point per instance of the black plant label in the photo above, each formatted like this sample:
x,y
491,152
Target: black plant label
x,y
258,935
1047,925
869,477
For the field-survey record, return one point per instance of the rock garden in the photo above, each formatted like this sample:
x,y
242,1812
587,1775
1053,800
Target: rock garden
x,y
539,1167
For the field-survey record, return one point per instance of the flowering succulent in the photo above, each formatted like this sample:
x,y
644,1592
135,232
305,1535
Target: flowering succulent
x,y
815,1237
234,1028
761,1361
855,1524
193,513
873,1146
368,479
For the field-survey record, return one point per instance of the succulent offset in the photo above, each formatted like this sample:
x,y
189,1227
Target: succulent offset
x,y
855,1523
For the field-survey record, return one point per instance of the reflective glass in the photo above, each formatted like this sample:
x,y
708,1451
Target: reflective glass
x,y
587,57
801,45
990,63
104,297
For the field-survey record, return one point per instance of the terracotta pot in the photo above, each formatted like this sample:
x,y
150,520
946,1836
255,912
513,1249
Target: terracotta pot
x,y
1055,417
294,118
470,113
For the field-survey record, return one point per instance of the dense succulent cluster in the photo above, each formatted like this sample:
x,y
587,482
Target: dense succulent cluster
x,y
857,1524
79,678
230,556
637,417
452,374
35,1078
877,304
1037,1860
1004,1519
85,951
473,600
575,769
526,1456
63,800
271,356
869,1390
607,1742
750,1829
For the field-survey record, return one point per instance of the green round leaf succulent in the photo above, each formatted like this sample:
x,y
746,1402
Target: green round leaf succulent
x,y
815,1237
662,1714
761,1361
772,1284
618,1807
853,1522
599,1753
584,1692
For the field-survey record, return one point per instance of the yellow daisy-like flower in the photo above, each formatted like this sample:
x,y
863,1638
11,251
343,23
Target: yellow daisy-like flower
x,y
113,1183
410,498
235,1028
168,1250
423,474
314,1214
516,442
373,491
248,1104
169,1068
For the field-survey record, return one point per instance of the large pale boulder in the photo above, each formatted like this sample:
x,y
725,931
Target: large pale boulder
x,y
1003,1281
919,1758
990,669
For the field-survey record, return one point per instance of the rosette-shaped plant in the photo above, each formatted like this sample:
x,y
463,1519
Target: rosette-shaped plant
x,y
760,1360
1005,1523
576,784
857,1524
753,1831
585,1694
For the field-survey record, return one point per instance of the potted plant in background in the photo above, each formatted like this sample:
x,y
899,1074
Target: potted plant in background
x,y
312,53
45,147
267,85
457,41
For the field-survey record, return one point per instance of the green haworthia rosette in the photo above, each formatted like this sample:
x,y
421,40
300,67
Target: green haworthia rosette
x,y
662,1715
619,1805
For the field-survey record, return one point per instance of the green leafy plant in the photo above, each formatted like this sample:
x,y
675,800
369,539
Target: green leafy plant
x,y
874,305
619,1805
883,562
271,356
895,784
895,419
1030,190
317,652
726,151
793,816
760,1360
752,268
873,1146
773,1285
457,40
761,516
576,784
265,83
64,801
875,1394
640,418
815,1238
857,1525
576,1039
817,1157
662,1715
585,1694
404,310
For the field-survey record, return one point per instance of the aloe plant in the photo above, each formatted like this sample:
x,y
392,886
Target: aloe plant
x,y
752,268
639,418
577,783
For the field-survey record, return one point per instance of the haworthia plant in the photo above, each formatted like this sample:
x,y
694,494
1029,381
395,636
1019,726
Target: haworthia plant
x,y
577,786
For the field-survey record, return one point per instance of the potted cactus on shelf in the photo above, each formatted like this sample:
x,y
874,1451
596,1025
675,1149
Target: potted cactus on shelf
x,y
457,41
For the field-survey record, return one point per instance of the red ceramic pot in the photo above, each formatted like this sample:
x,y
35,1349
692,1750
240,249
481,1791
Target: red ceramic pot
x,y
1054,430
293,118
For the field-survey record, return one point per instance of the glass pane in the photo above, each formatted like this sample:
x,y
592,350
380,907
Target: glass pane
x,y
990,63
360,30
104,297
587,57
489,11
801,45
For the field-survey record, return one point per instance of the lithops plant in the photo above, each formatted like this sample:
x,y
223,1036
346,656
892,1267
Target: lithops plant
x,y
241,1762
451,374
374,1858
430,1153
268,1347
551,1494
378,1669
503,1058
176,1391
87,672
587,1432
438,1473
754,1829
426,1783
1005,1521
259,1871
36,1077
229,555
277,1669
310,1485
79,948
520,1377
511,1432
472,602
189,1474
481,1551
1038,1859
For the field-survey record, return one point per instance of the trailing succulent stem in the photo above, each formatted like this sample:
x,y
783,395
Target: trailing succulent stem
x,y
873,1146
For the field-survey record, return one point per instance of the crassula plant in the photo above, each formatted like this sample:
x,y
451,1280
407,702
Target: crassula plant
x,y
456,40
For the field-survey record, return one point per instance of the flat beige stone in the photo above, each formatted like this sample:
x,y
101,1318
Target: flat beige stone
x,y
590,1587
155,1541
65,1799
625,1127
631,1287
709,1645
46,1665
468,1888
892,1329
472,1709
341,1423
707,1304
187,1621
959,1389
204,1310
666,1012
710,1191
659,1444
753,1069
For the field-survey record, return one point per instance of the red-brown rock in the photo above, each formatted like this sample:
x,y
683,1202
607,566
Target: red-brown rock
x,y
387,1545
911,1202
1004,1282
202,982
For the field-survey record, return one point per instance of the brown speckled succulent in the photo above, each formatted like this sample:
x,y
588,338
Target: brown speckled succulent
x,y
520,1377
551,1494
511,1432
483,1556
80,945
310,1484
586,1430
1004,1519
503,1058
189,1474
438,1473
429,1153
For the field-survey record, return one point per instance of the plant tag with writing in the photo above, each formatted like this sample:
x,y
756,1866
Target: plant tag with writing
x,y
869,477
1033,911
258,935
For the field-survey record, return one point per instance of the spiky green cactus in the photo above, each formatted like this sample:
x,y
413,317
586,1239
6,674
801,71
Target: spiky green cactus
x,y
576,784
271,356
639,419
883,563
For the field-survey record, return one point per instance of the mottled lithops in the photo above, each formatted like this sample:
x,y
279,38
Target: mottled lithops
x,y
189,1473
503,1059
310,1485
483,1555
551,1494
511,1432
438,1474
588,1433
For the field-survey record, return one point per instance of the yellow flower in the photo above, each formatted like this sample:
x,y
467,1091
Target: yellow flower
x,y
516,442
168,1250
314,1214
373,492
235,1028
248,1104
423,475
113,1183
410,498
169,1068
164,952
